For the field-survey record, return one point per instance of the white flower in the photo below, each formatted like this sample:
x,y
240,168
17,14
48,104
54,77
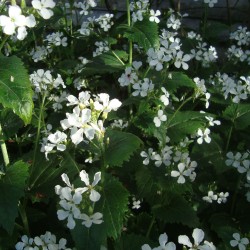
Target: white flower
x,y
44,7
238,241
203,135
180,60
222,197
163,239
69,212
14,20
147,155
25,244
210,2
154,16
164,98
136,203
210,197
105,105
159,118
198,236
94,195
181,173
92,219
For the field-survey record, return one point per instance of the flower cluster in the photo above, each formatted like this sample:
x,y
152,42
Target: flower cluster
x,y
173,157
73,204
219,197
238,89
46,241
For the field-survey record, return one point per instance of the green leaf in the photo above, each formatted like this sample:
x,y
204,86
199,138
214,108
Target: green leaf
x,y
108,62
132,242
10,122
11,190
120,147
184,123
177,80
113,205
144,33
15,88
178,210
239,114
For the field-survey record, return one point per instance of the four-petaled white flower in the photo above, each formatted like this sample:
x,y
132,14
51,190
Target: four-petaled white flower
x,y
238,241
181,173
94,195
92,219
160,118
203,136
154,16
180,60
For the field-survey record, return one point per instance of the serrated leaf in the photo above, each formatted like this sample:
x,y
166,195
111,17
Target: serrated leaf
x,y
184,123
178,210
114,206
15,88
144,33
120,147
108,62
239,114
11,190
177,80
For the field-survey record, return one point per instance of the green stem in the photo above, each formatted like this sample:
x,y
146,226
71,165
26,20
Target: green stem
x,y
130,53
204,21
229,137
229,16
119,59
177,110
235,195
13,2
24,217
4,148
40,119
3,42
150,226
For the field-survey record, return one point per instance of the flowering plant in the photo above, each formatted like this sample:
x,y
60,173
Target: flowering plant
x,y
122,131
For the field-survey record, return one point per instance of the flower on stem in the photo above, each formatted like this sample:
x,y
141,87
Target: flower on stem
x,y
181,173
180,60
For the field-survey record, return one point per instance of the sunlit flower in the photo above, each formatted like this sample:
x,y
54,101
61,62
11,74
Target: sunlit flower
x,y
44,7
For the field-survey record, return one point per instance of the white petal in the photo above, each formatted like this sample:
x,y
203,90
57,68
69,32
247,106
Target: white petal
x,y
65,178
46,13
84,177
71,223
198,236
163,239
62,215
97,178
94,195
184,240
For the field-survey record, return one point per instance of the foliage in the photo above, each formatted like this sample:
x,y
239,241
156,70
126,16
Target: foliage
x,y
124,130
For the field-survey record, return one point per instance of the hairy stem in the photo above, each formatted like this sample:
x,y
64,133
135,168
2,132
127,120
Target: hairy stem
x,y
3,42
4,148
150,226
